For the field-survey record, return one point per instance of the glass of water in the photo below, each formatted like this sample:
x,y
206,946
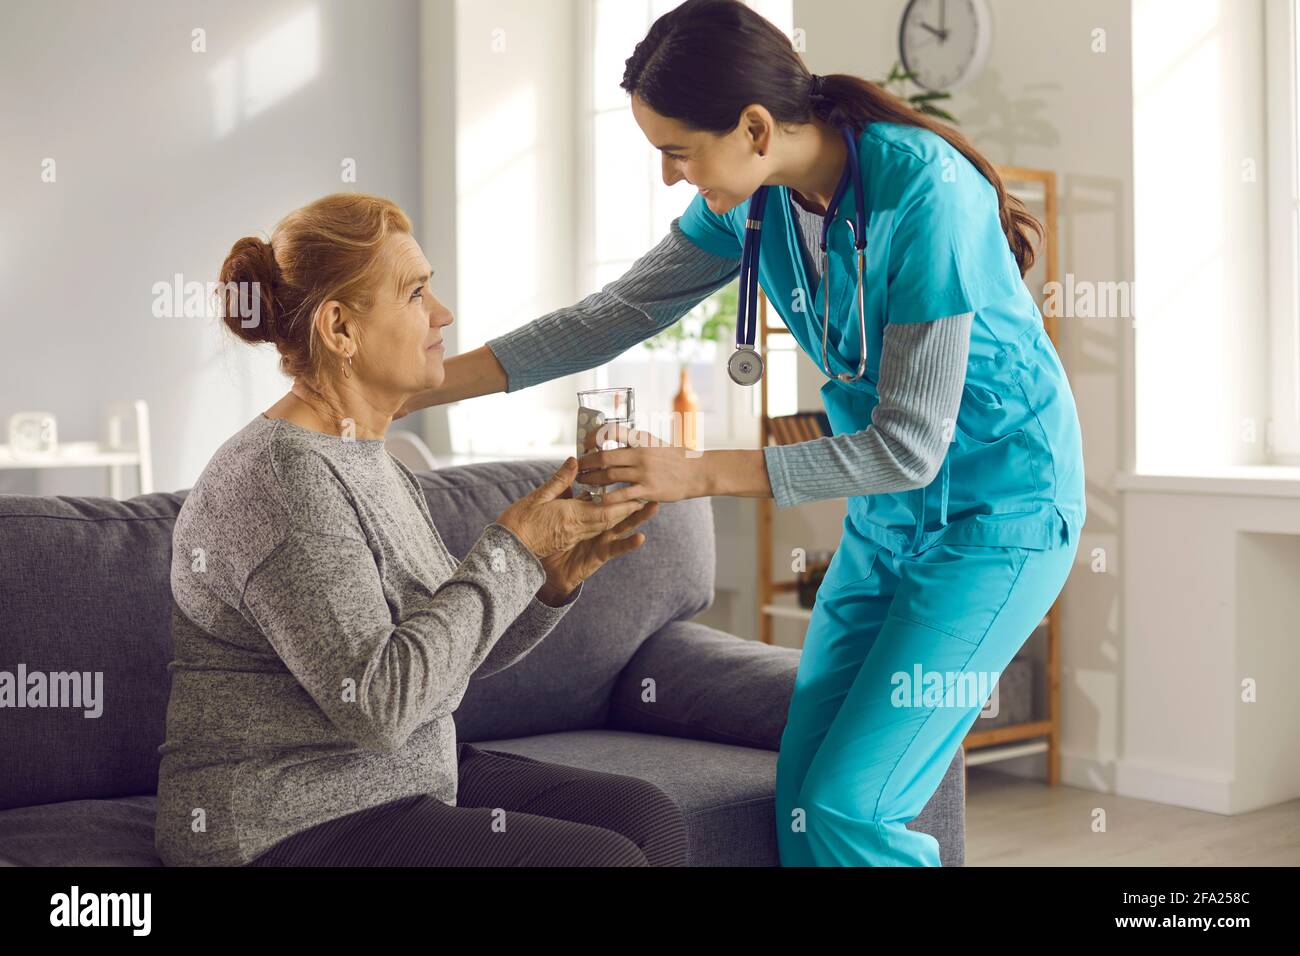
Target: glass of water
x,y
602,414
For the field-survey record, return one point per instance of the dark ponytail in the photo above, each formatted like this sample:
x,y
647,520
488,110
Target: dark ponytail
x,y
703,62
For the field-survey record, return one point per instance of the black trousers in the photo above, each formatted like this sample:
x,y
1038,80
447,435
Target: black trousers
x,y
510,810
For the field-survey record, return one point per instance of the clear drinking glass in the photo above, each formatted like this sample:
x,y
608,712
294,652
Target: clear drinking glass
x,y
602,413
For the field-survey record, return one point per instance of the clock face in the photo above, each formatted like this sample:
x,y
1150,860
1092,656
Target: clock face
x,y
945,42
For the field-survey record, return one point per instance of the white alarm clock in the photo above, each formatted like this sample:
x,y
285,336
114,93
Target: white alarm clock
x,y
33,434
945,43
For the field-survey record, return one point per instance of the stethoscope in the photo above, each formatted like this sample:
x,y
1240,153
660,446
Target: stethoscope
x,y
746,365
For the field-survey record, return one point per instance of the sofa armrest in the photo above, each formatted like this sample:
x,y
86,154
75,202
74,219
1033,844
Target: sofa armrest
x,y
689,680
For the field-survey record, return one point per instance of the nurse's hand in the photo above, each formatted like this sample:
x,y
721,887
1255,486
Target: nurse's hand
x,y
656,470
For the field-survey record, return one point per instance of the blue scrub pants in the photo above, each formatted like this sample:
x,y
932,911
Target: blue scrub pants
x,y
866,743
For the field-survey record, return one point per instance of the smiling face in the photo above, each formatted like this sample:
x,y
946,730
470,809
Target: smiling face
x,y
726,168
402,344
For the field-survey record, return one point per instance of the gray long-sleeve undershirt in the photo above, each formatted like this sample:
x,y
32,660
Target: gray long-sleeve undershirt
x,y
922,370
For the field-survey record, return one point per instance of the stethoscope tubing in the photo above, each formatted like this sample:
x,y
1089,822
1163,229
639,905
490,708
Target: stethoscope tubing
x,y
747,298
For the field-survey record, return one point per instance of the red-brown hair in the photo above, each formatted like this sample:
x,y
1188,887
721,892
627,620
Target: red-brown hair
x,y
332,248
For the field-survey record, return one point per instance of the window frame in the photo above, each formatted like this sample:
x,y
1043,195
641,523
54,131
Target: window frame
x,y
1283,232
739,416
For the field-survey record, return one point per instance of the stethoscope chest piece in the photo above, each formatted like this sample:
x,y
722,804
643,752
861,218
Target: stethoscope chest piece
x,y
745,365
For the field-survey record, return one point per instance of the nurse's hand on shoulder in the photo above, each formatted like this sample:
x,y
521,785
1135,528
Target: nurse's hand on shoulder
x,y
656,470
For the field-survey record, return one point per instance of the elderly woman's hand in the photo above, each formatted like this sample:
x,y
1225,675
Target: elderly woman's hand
x,y
565,570
549,519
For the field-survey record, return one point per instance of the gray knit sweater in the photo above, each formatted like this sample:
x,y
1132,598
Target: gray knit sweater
x,y
922,369
323,635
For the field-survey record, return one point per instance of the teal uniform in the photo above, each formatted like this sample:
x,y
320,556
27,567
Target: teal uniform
x,y
950,578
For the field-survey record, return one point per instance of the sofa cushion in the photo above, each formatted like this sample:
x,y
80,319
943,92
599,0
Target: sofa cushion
x,y
565,682
708,685
85,587
725,791
80,833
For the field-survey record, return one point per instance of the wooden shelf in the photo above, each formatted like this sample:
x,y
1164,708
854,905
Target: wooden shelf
x,y
1006,752
794,612
1033,186
1001,735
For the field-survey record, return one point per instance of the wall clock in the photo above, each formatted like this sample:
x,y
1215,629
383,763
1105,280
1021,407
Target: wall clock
x,y
945,43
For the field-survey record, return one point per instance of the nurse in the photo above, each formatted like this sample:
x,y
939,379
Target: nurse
x,y
955,440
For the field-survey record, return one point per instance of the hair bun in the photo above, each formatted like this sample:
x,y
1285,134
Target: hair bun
x,y
248,279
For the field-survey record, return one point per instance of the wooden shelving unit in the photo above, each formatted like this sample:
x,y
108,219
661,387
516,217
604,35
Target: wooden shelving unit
x,y
1035,187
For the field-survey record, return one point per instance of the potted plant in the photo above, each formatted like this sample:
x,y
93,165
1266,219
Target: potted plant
x,y
922,102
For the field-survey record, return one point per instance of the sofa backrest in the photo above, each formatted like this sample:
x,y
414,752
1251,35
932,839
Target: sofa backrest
x,y
85,590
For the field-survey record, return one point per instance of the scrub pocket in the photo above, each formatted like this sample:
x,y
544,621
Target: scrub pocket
x,y
851,563
957,589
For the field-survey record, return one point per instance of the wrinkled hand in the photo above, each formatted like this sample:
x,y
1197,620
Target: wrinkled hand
x,y
549,519
656,470
565,570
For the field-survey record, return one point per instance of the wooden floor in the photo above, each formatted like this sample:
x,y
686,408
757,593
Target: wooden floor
x,y
1011,821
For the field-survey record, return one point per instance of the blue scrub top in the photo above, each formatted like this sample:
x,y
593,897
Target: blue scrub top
x,y
1013,473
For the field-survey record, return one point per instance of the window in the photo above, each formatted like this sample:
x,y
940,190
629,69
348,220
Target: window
x,y
628,210
1283,438
1214,360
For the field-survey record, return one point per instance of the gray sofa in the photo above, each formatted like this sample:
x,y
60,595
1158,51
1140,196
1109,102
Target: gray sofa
x,y
84,587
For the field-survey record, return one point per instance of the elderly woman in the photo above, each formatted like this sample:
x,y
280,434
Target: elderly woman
x,y
323,633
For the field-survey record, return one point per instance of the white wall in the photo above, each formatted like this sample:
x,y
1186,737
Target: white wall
x,y
1208,715
165,157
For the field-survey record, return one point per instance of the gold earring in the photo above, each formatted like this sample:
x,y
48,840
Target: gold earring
x,y
345,368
